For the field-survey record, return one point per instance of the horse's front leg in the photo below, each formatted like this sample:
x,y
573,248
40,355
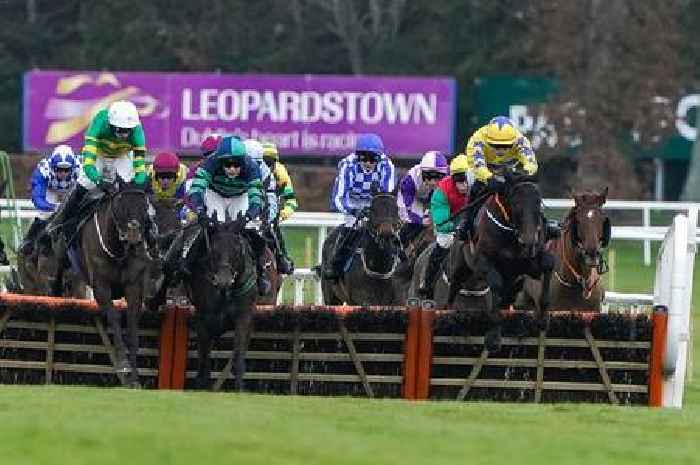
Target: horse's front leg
x,y
494,279
103,296
546,267
241,346
134,299
204,349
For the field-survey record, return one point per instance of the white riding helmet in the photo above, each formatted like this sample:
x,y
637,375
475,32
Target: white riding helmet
x,y
123,114
254,150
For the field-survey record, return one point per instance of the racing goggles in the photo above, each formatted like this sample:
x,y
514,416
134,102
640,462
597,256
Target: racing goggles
x,y
501,146
167,175
63,169
432,175
121,132
459,177
367,157
235,162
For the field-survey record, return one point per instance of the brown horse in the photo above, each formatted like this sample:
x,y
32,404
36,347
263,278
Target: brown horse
x,y
509,245
273,277
47,272
579,263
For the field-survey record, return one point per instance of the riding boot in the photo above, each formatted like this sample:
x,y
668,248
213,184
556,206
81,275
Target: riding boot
x,y
436,256
285,265
343,251
264,285
62,217
477,197
27,247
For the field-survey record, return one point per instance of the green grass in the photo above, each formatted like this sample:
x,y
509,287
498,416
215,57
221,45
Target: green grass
x,y
43,425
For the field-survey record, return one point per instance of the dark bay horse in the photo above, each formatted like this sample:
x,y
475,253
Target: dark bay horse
x,y
509,245
579,263
114,257
222,287
368,281
406,269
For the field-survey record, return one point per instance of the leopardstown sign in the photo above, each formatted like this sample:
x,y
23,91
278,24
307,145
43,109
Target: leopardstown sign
x,y
303,114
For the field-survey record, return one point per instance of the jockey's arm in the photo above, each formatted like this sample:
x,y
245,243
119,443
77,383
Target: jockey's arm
x,y
284,183
200,183
138,143
477,157
387,180
341,190
440,211
39,185
526,156
405,198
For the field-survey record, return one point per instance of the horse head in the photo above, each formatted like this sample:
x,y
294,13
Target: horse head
x,y
383,216
525,202
590,227
225,251
129,211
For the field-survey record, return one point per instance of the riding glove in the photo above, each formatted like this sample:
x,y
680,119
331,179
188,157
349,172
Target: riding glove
x,y
253,212
496,185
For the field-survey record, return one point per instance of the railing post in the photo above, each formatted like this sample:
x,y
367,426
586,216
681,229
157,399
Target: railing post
x,y
425,351
656,357
646,222
410,359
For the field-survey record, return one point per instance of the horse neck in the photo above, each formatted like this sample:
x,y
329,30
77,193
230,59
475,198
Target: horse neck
x,y
570,264
108,227
378,258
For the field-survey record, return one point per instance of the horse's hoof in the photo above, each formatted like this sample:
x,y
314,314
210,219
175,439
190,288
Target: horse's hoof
x,y
123,368
492,339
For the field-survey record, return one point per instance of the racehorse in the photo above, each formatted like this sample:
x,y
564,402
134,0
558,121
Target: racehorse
x,y
47,271
509,244
579,263
222,287
114,257
368,279
406,269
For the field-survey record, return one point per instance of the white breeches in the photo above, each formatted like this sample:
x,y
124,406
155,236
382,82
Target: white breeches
x,y
221,205
109,168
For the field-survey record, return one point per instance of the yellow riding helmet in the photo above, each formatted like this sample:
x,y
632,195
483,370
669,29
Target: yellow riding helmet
x,y
270,151
459,164
500,131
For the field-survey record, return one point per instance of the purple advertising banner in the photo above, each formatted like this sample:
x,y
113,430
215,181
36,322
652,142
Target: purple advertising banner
x,y
302,114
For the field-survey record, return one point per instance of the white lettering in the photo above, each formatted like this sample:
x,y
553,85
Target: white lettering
x,y
332,107
426,108
310,107
250,101
371,101
268,107
685,104
351,106
187,114
228,107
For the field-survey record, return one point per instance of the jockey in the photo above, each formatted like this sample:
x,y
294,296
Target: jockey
x,y
167,176
492,147
287,204
368,165
414,194
449,197
115,144
228,182
52,178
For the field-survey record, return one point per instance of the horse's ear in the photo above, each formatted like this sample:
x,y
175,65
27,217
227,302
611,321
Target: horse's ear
x,y
215,217
603,196
227,216
578,198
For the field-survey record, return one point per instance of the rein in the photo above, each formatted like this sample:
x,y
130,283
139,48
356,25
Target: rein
x,y
121,235
581,280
